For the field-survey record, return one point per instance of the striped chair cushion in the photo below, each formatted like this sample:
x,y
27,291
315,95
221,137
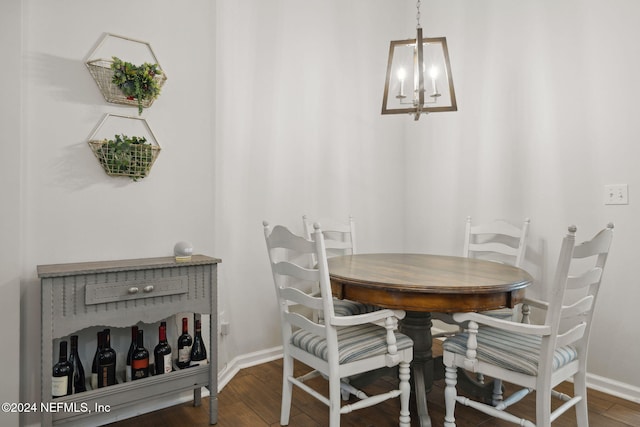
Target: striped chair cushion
x,y
509,350
345,307
354,342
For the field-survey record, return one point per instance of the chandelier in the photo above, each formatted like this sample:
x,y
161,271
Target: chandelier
x,y
418,76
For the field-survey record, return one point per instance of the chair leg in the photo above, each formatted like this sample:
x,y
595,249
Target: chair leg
x,y
543,407
405,394
480,378
334,400
450,379
496,397
344,392
580,389
287,389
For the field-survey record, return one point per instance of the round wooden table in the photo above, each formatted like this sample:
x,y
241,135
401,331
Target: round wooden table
x,y
421,284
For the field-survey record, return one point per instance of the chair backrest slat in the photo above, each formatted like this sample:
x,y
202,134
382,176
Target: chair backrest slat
x,y
586,279
572,335
339,238
300,297
496,247
287,268
496,241
496,227
598,245
303,322
335,244
281,237
578,308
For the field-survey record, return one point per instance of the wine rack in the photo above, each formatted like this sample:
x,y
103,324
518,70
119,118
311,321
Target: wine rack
x,y
119,294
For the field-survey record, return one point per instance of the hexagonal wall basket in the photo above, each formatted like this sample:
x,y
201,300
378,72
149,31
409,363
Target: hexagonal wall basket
x,y
127,49
116,143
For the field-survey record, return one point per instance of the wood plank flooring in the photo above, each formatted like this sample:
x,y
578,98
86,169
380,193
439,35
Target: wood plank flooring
x,y
252,399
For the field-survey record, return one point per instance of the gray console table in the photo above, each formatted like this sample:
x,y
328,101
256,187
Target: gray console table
x,y
119,294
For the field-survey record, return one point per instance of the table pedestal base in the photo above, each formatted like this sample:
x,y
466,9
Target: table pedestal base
x,y
417,325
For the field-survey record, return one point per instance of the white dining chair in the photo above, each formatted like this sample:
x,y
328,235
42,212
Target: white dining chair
x,y
498,241
535,357
339,239
339,346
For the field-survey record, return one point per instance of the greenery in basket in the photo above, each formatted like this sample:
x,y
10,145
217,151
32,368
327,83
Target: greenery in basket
x,y
136,82
130,156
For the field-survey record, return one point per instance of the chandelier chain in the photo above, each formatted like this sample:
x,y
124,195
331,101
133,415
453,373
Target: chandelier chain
x,y
418,14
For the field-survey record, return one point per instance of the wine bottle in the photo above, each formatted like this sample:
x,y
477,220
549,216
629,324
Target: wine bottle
x,y
62,376
198,350
78,370
106,362
162,352
140,359
132,348
94,365
184,345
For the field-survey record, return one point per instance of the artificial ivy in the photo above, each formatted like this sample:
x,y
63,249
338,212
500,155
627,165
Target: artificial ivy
x,y
123,155
136,82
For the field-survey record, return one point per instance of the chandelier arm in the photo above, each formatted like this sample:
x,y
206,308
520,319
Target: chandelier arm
x,y
420,70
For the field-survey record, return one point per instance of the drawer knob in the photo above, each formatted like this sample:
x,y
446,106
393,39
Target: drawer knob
x,y
148,288
133,290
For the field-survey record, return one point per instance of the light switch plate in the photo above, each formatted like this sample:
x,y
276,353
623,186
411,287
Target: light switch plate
x,y
616,194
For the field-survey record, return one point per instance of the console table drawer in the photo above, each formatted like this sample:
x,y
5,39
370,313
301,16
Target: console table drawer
x,y
99,293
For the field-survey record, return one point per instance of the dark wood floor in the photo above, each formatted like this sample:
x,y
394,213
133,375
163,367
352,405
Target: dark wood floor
x,y
252,399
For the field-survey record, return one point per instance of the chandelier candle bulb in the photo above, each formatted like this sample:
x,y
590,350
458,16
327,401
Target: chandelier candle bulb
x,y
401,76
433,72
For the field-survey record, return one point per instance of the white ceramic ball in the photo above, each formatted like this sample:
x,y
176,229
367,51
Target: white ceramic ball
x,y
182,249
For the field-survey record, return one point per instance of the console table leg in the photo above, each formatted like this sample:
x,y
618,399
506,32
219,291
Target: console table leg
x,y
197,396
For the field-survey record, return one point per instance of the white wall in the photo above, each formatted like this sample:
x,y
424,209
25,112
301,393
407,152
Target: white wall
x,y
10,206
74,211
299,132
547,116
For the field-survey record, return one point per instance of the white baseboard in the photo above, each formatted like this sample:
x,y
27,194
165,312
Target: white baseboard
x,y
614,388
246,361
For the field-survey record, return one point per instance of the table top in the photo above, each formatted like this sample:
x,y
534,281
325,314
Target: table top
x,y
424,282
